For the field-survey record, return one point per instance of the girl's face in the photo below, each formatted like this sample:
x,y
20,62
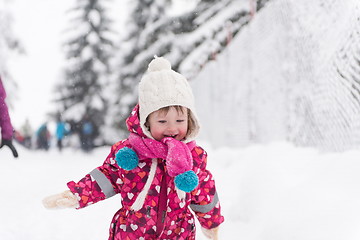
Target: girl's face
x,y
173,124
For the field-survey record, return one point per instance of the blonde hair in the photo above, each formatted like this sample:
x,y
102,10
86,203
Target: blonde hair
x,y
179,109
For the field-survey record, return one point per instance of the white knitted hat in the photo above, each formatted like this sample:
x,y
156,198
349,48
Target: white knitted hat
x,y
161,87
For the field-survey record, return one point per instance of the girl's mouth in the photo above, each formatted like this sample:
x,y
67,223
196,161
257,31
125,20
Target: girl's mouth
x,y
172,136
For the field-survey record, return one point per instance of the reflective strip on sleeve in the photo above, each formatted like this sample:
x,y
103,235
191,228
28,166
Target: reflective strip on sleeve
x,y
205,208
103,182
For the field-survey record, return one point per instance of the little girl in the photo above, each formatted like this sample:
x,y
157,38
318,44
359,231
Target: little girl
x,y
159,171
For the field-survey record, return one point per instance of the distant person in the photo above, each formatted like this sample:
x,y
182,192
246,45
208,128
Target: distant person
x,y
159,170
43,137
27,133
7,130
61,132
88,132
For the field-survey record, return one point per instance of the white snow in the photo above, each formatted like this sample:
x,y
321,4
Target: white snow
x,y
270,192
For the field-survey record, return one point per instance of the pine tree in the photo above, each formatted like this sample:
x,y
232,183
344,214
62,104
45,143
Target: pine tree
x,y
207,31
145,14
188,40
88,53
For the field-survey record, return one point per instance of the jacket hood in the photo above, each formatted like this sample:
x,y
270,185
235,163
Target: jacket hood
x,y
133,122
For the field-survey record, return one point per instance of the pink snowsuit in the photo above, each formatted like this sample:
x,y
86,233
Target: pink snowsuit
x,y
5,123
163,215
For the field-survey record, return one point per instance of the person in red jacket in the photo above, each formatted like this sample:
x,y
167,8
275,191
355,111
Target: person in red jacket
x,y
159,170
5,123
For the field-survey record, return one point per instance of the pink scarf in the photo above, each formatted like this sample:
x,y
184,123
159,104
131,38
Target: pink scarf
x,y
176,153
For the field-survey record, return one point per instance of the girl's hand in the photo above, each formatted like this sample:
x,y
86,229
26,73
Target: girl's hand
x,y
211,233
62,200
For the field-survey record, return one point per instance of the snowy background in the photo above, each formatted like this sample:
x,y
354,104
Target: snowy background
x,y
290,75
41,31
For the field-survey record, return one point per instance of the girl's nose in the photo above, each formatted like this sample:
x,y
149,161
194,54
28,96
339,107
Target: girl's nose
x,y
171,128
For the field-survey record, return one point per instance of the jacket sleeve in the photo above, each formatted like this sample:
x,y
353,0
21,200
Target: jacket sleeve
x,y
101,183
204,199
5,123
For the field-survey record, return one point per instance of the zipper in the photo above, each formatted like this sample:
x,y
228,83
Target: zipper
x,y
148,211
161,214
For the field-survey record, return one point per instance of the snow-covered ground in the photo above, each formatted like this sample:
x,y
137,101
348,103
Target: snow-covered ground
x,y
269,192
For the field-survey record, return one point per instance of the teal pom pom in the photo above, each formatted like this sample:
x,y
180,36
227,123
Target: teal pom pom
x,y
127,159
187,181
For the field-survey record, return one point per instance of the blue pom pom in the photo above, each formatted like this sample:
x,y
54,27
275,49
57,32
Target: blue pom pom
x,y
186,181
127,159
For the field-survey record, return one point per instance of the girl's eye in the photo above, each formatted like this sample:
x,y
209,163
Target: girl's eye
x,y
162,121
180,120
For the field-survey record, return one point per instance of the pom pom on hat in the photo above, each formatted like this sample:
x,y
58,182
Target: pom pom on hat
x,y
159,64
186,181
127,158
